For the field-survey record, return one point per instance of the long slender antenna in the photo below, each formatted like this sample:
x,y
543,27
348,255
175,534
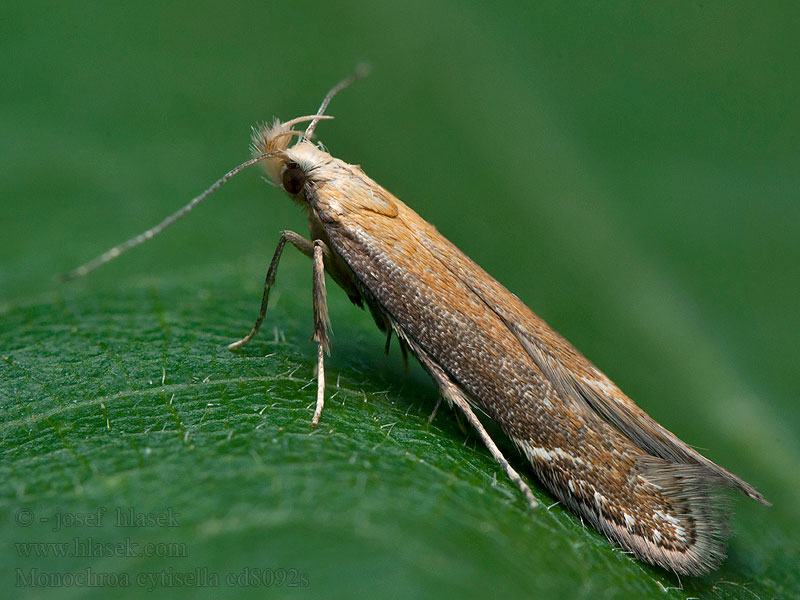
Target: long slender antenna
x,y
114,252
361,71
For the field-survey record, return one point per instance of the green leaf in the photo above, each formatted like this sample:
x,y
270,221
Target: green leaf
x,y
630,174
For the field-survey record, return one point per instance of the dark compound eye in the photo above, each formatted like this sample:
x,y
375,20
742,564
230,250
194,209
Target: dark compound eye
x,y
293,178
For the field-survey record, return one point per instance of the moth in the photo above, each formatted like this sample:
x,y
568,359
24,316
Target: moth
x,y
588,443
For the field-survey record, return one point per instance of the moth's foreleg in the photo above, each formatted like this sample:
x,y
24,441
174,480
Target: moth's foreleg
x,y
321,323
298,241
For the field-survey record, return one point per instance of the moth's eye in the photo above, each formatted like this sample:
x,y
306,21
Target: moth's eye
x,y
293,178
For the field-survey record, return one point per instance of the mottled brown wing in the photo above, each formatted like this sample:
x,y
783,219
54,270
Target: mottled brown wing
x,y
577,380
455,316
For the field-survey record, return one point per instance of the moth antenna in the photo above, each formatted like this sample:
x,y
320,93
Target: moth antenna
x,y
305,119
114,252
361,71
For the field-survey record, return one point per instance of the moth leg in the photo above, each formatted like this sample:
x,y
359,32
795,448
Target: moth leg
x,y
388,341
321,324
298,241
401,343
404,353
435,410
456,397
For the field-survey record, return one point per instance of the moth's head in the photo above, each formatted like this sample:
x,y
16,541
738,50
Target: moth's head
x,y
277,139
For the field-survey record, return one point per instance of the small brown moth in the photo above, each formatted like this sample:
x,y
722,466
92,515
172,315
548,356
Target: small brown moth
x,y
589,444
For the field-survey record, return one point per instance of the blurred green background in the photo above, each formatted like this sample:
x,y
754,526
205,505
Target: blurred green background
x,y
631,172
